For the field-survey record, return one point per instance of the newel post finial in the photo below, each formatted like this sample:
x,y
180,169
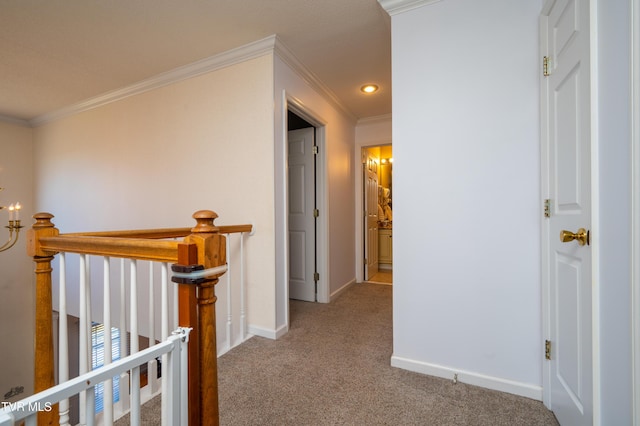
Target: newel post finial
x,y
204,219
43,227
43,220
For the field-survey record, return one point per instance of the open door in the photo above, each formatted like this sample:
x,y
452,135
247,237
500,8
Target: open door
x,y
566,171
302,217
370,179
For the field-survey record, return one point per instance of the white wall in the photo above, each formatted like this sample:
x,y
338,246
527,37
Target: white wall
x,y
339,196
17,305
467,296
153,159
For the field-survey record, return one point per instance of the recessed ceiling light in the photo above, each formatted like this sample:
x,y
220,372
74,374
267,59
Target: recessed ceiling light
x,y
369,88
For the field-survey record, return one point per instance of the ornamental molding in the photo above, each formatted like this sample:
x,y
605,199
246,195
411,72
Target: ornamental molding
x,y
394,7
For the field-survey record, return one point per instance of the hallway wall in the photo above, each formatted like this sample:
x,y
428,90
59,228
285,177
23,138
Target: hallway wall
x,y
467,295
152,159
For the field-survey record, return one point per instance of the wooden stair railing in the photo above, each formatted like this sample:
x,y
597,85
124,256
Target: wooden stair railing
x,y
202,245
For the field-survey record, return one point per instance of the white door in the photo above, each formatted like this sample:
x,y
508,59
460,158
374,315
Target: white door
x,y
302,241
370,180
566,170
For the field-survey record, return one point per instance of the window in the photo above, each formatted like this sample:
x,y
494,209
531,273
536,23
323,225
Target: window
x,y
97,360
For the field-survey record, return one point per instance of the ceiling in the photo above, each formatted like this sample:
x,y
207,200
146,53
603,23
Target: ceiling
x,y
58,53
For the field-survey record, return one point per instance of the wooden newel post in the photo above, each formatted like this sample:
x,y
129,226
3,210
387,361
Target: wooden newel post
x,y
43,342
205,248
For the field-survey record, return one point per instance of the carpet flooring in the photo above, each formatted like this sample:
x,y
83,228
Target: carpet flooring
x,y
333,368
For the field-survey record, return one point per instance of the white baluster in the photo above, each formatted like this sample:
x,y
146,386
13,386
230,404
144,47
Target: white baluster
x,y
106,303
134,413
243,316
87,275
32,420
63,340
184,381
152,366
174,291
165,301
133,308
90,407
229,305
83,342
164,324
124,377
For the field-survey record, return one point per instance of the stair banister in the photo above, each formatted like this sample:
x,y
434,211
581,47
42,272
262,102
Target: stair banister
x,y
205,247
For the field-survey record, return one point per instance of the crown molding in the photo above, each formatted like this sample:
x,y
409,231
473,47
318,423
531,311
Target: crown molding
x,y
310,78
231,57
13,120
375,119
394,7
267,45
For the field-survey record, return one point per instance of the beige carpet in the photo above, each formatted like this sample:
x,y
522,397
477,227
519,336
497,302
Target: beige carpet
x,y
332,368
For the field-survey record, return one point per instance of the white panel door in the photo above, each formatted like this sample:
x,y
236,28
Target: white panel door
x,y
566,132
370,180
302,241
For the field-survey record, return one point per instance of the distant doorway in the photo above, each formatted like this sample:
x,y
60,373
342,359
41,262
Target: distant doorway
x,y
377,203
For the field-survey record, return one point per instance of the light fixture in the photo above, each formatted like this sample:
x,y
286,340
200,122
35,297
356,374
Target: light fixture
x,y
369,88
14,225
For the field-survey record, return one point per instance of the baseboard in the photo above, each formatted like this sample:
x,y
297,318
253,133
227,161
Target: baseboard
x,y
268,333
468,377
333,296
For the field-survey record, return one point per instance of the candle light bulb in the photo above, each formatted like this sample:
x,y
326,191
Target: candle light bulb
x,y
18,207
11,209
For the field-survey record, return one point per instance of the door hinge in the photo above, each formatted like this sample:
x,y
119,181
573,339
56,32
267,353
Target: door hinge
x,y
545,66
316,276
315,149
547,208
316,213
547,349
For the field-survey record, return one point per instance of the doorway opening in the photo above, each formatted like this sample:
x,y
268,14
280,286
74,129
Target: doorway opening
x,y
303,211
377,204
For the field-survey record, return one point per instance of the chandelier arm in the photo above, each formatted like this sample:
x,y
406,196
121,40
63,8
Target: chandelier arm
x,y
11,241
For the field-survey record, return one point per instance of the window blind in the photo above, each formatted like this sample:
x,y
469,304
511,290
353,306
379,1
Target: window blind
x,y
97,360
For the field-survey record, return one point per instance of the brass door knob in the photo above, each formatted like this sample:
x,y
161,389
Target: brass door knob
x,y
582,236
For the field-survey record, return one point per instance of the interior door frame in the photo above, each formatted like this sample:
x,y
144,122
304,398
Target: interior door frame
x,y
359,146
322,222
595,202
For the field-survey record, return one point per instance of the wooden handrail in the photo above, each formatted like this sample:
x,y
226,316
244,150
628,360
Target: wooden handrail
x,y
203,245
159,233
136,244
129,248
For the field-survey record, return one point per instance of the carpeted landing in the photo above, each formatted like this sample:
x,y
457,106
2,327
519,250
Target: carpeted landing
x,y
333,368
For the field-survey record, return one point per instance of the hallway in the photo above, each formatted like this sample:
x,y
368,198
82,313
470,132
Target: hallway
x,y
333,368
